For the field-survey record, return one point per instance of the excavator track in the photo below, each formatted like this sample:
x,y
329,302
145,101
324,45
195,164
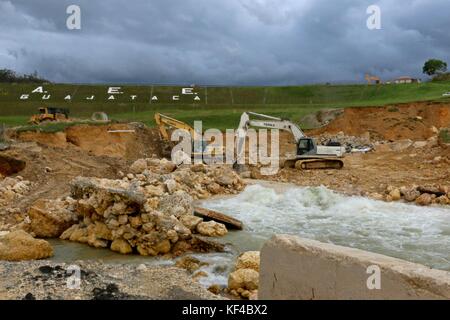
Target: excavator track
x,y
314,164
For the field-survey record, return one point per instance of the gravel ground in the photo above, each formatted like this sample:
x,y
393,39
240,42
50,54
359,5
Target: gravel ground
x,y
42,280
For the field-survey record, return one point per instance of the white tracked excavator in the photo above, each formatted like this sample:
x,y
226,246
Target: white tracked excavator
x,y
309,154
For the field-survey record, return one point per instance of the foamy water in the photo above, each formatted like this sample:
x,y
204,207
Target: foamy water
x,y
417,234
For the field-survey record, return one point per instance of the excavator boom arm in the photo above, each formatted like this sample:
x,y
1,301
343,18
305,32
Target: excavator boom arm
x,y
162,121
269,122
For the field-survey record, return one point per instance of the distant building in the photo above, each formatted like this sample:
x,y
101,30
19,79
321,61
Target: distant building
x,y
406,80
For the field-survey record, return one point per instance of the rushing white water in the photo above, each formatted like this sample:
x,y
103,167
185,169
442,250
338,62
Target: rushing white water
x,y
417,234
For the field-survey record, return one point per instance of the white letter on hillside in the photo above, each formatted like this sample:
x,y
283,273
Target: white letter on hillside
x,y
187,91
38,90
114,90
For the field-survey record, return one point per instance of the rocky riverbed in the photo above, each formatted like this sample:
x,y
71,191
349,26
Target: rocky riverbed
x,y
149,210
46,280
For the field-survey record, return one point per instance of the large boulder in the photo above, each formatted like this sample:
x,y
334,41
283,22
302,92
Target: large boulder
x,y
226,179
401,145
122,246
162,166
50,218
244,281
424,199
104,192
411,195
190,221
19,245
247,279
443,200
248,260
395,194
139,166
212,229
171,185
166,166
75,233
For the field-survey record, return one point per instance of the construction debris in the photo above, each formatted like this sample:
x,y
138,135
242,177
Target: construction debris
x,y
229,222
351,143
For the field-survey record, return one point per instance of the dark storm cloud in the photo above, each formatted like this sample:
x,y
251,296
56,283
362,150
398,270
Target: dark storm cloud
x,y
222,41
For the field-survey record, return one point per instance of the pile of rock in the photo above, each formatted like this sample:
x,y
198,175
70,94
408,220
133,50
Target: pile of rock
x,y
12,189
244,281
421,195
199,180
149,211
351,143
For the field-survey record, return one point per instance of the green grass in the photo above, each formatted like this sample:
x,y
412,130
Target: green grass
x,y
53,127
444,135
219,107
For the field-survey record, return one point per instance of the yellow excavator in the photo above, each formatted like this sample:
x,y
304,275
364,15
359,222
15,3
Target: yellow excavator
x,y
49,114
165,122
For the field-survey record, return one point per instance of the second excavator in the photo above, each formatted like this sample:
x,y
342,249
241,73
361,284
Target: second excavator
x,y
202,151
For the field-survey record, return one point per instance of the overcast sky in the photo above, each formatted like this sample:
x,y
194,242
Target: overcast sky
x,y
232,42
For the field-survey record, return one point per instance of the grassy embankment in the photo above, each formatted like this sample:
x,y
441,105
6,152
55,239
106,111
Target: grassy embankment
x,y
219,107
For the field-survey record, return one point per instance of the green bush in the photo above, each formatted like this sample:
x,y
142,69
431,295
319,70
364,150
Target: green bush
x,y
442,77
53,127
444,135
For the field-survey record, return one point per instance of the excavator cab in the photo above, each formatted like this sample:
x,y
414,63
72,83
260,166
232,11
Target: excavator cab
x,y
305,146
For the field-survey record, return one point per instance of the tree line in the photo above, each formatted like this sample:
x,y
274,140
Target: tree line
x,y
10,76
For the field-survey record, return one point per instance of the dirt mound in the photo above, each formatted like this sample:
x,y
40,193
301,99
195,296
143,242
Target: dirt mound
x,y
117,140
417,121
57,139
320,118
